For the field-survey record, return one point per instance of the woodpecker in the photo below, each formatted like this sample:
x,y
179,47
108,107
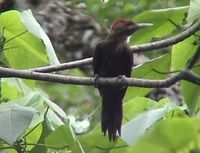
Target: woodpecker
x,y
113,58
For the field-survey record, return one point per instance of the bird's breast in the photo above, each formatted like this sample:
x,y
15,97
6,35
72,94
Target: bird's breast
x,y
114,61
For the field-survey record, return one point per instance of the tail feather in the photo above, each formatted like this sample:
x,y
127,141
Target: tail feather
x,y
111,118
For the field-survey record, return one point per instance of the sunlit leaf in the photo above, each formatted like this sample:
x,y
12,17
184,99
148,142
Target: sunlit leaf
x,y
24,50
33,26
63,137
184,51
135,128
175,134
194,11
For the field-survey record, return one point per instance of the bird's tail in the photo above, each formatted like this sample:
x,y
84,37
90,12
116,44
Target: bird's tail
x,y
111,117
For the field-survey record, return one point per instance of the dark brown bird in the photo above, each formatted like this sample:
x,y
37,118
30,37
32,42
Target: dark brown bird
x,y
113,58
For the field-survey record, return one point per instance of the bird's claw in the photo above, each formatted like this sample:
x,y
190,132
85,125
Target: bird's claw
x,y
120,79
96,80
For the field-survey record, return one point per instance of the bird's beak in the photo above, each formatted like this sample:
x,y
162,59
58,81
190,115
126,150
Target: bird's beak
x,y
143,25
137,26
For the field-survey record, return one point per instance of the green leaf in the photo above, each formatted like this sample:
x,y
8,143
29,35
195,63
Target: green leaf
x,y
194,11
14,119
34,136
146,71
33,26
40,103
162,26
45,132
191,94
184,51
137,106
94,140
14,88
135,128
62,137
24,50
168,136
33,100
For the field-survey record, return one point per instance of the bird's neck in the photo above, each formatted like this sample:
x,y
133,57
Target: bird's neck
x,y
117,39
119,43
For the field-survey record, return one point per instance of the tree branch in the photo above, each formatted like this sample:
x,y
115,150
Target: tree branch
x,y
135,49
25,74
191,77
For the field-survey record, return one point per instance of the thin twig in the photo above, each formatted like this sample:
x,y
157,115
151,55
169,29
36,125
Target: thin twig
x,y
64,66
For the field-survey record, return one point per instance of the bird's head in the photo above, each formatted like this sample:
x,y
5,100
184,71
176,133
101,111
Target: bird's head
x,y
125,27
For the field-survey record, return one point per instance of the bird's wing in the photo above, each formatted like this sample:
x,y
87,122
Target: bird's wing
x,y
97,58
130,64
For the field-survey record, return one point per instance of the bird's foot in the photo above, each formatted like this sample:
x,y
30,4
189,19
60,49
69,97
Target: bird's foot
x,y
96,80
121,80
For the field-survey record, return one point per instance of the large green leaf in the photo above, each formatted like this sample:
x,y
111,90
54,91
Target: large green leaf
x,y
40,103
182,52
168,136
34,136
14,119
191,93
26,50
33,26
162,26
63,137
171,135
94,141
146,71
142,113
45,132
137,106
194,11
136,128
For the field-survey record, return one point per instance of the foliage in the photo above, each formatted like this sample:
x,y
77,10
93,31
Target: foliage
x,y
31,122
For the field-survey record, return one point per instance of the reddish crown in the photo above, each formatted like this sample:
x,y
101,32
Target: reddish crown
x,y
120,22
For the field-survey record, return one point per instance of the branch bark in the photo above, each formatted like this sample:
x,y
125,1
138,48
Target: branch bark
x,y
63,66
25,74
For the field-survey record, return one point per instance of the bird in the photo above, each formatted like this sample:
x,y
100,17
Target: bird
x,y
113,58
